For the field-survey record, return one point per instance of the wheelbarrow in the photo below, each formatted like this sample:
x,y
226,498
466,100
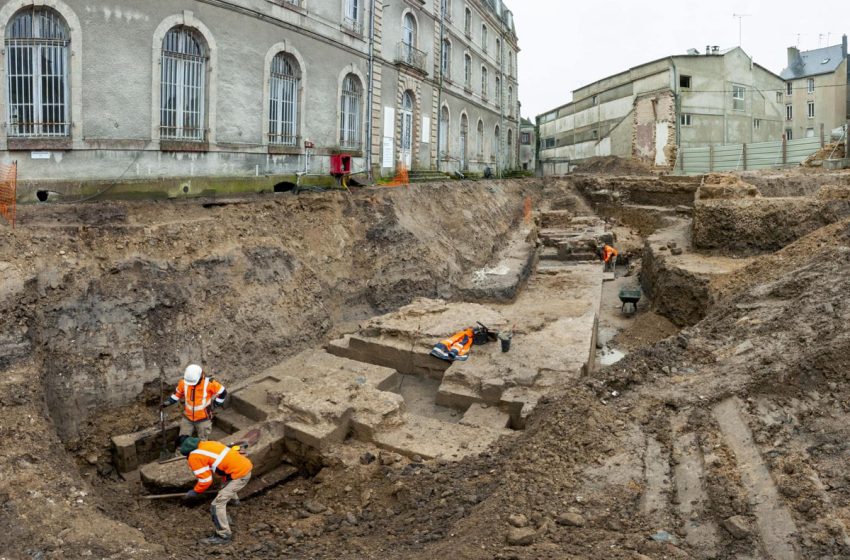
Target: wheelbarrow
x,y
629,296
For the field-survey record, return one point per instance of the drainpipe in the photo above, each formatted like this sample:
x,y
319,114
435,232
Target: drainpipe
x,y
440,86
370,94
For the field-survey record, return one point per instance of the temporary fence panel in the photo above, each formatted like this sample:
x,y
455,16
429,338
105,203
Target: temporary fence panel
x,y
745,157
8,191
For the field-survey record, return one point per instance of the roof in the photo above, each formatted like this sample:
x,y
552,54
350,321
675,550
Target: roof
x,y
814,62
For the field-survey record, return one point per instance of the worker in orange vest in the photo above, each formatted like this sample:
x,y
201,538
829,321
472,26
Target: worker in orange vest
x,y
609,257
206,458
200,394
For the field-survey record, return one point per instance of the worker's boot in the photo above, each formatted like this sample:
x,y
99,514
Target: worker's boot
x,y
216,540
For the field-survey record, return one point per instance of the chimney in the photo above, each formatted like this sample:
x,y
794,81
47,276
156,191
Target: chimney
x,y
708,49
715,49
794,58
844,45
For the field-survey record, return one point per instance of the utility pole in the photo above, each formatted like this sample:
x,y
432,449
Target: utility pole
x,y
740,26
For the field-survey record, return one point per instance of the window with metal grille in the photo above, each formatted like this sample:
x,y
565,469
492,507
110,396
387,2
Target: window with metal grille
x,y
352,19
37,87
283,110
183,85
349,126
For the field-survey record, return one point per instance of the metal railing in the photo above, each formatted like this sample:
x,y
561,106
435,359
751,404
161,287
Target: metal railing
x,y
353,25
410,56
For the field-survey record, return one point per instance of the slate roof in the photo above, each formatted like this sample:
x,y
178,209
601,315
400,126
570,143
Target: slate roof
x,y
814,62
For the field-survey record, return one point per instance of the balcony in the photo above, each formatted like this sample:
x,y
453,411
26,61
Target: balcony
x,y
297,4
410,56
352,25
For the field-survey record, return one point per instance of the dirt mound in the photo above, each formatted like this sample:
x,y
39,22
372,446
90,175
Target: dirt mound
x,y
835,150
613,165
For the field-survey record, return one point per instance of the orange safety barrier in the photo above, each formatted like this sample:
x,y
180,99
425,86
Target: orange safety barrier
x,y
401,178
8,191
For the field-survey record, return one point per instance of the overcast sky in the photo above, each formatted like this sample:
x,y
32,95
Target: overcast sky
x,y
566,44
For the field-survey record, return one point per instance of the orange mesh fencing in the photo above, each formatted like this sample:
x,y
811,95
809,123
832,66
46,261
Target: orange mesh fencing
x,y
401,178
8,191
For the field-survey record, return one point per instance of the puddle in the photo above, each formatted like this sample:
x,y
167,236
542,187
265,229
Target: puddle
x,y
608,356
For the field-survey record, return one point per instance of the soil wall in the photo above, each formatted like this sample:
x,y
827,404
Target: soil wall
x,y
142,289
761,224
676,293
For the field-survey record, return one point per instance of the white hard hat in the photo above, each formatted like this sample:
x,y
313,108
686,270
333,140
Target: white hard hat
x,y
192,374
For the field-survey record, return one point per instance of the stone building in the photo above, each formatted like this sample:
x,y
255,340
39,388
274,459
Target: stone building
x,y
196,95
816,93
649,111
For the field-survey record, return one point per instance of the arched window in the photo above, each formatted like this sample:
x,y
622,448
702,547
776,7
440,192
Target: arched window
x,y
467,22
497,144
464,142
446,56
37,88
480,140
499,51
484,38
284,86
510,146
184,76
349,125
485,82
444,132
510,101
409,31
498,91
467,71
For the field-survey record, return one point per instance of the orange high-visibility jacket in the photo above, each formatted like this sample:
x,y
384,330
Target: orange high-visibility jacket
x,y
454,348
215,457
197,398
608,252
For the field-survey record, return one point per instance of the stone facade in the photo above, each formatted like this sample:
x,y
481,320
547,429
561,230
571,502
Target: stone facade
x,y
111,64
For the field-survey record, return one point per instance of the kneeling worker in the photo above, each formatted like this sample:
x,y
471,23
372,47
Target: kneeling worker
x,y
206,458
199,393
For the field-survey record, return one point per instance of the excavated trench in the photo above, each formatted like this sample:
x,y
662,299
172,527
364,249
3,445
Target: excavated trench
x,y
310,309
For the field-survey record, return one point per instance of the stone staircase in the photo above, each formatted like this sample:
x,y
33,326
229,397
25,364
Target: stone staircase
x,y
427,176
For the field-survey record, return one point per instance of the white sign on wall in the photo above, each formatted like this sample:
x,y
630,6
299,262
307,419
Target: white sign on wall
x,y
40,155
426,130
389,153
389,122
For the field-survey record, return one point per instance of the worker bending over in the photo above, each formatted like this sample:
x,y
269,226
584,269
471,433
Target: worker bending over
x,y
200,394
206,458
609,257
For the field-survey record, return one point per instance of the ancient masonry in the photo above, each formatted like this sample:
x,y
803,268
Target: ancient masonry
x,y
381,386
